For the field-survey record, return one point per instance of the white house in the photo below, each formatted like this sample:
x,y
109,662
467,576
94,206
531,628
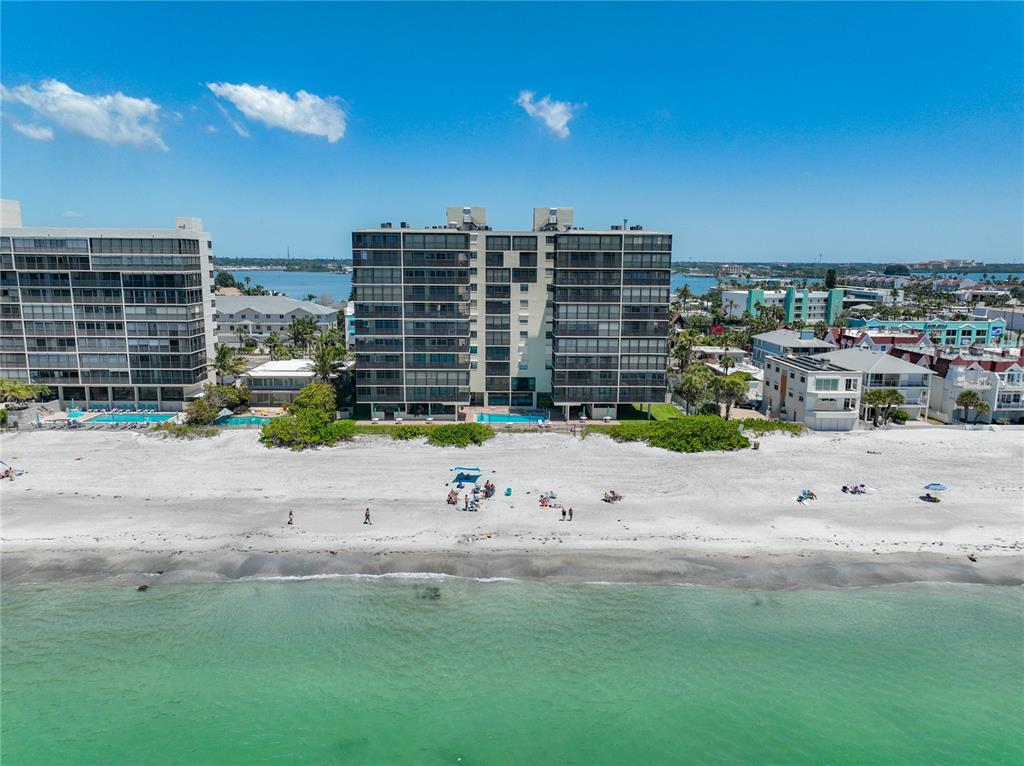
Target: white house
x,y
812,391
260,315
276,384
883,371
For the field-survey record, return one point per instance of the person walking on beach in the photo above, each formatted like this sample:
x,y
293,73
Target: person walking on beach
x,y
366,517
570,514
563,514
290,518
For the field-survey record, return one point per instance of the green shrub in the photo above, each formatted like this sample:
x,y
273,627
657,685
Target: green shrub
x,y
402,432
459,434
202,411
185,431
690,433
899,416
308,428
3,416
315,396
759,427
235,398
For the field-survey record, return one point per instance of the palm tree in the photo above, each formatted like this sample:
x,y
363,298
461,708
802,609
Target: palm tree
x,y
302,331
20,391
242,334
730,389
971,400
884,398
693,385
682,352
225,362
274,345
327,361
725,363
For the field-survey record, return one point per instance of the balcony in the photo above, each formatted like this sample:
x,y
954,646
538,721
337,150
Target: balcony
x,y
973,383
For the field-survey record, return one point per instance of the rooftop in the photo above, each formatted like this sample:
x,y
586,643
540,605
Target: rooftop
x,y
807,363
283,368
877,362
792,339
269,304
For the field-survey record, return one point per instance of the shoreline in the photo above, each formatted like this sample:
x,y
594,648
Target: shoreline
x,y
100,505
765,571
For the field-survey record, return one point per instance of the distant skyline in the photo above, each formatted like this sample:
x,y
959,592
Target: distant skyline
x,y
752,132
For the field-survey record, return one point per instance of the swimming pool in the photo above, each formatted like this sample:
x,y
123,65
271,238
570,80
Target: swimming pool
x,y
242,420
132,417
489,417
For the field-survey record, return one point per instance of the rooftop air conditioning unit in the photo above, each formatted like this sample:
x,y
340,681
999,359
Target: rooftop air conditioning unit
x,y
616,227
386,225
403,225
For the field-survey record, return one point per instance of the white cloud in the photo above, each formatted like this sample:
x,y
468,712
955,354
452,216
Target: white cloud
x,y
554,114
211,128
72,214
113,118
35,132
303,113
236,126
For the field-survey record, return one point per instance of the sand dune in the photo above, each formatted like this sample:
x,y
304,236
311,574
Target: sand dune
x,y
108,502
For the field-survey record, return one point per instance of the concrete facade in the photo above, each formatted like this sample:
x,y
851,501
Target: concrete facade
x,y
260,315
461,314
798,304
812,391
107,317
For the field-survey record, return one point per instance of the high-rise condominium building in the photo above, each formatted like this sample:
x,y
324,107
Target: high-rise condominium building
x,y
459,314
106,317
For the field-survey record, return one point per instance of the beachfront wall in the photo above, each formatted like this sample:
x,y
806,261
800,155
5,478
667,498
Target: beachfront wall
x,y
811,391
943,332
107,317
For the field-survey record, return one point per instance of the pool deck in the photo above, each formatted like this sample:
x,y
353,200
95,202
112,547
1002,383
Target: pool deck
x,y
468,415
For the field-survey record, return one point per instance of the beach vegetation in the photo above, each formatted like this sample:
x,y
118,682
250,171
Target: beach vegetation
x,y
319,397
900,416
306,428
201,411
694,386
882,401
185,430
459,434
692,433
760,427
3,417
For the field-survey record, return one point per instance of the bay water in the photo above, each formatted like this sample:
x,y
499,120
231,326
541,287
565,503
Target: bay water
x,y
453,671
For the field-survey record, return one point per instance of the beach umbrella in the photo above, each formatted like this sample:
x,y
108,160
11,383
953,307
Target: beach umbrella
x,y
935,486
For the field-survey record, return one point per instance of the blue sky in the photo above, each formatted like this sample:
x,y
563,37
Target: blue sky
x,y
751,131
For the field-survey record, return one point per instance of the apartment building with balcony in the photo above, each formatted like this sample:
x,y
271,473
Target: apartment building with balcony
x,y
461,314
813,391
258,316
880,370
798,304
996,375
106,317
984,331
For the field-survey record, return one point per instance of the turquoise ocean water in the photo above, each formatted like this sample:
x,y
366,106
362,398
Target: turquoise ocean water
x,y
448,671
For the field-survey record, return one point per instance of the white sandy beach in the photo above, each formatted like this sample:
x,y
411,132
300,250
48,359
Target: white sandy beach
x,y
109,501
